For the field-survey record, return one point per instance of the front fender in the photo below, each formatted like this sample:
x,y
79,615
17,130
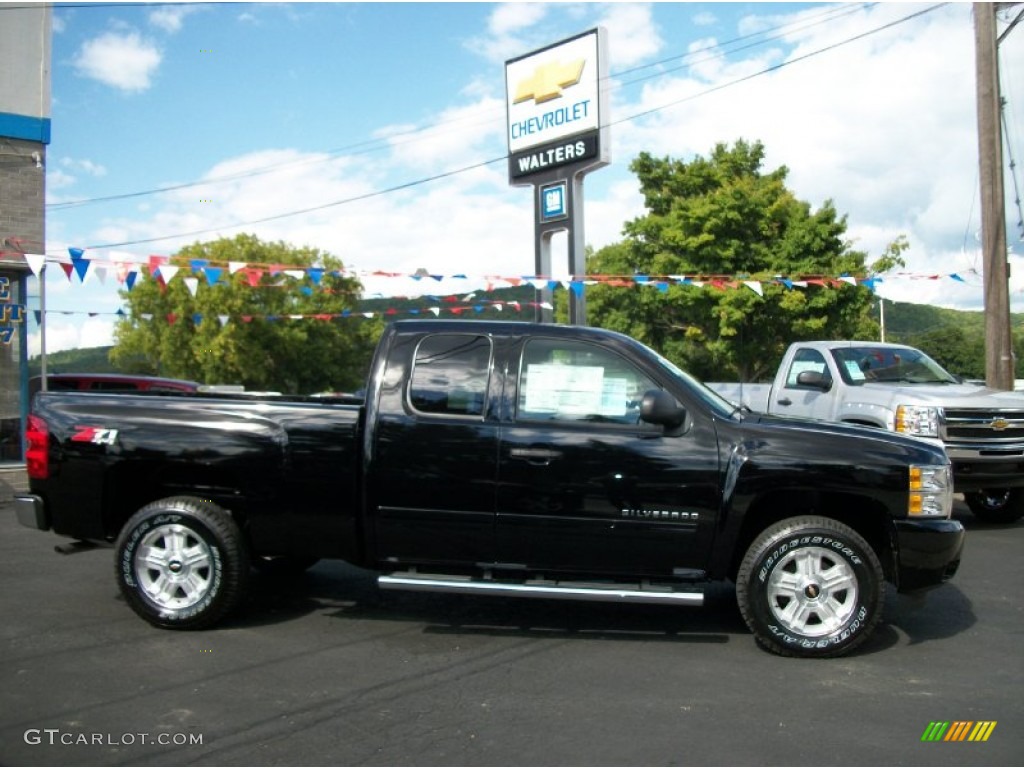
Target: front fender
x,y
871,414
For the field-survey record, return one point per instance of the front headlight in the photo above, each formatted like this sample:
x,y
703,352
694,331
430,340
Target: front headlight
x,y
931,491
917,420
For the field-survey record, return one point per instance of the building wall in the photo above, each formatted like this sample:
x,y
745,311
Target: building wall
x,y
25,54
22,198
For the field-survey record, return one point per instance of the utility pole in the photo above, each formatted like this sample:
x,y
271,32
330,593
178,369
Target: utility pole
x,y
999,368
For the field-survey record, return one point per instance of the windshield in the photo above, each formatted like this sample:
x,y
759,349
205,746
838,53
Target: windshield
x,y
863,365
714,401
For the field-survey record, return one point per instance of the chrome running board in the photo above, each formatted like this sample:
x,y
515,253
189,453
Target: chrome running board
x,y
556,590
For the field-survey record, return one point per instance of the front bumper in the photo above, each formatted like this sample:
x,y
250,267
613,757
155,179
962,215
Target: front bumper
x,y
927,552
976,469
31,512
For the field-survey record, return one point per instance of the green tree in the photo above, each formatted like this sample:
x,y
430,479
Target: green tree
x,y
722,221
244,328
957,350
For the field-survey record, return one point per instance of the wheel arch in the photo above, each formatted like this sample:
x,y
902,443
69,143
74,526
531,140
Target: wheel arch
x,y
864,515
131,486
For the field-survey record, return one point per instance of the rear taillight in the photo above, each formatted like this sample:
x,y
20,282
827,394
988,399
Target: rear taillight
x,y
37,448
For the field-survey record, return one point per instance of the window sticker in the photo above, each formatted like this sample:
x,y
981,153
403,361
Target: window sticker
x,y
569,390
853,370
614,397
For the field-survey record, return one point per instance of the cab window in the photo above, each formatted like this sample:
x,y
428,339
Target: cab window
x,y
450,375
575,381
807,360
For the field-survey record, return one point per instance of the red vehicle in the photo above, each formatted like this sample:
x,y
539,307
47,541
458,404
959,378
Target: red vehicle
x,y
109,382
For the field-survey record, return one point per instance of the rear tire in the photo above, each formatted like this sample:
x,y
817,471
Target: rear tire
x,y
997,505
181,563
810,587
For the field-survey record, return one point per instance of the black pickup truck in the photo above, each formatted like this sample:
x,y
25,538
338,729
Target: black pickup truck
x,y
501,458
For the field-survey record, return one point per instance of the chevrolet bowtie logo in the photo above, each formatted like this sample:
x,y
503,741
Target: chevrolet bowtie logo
x,y
548,80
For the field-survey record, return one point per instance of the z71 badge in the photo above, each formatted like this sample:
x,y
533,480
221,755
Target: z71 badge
x,y
95,435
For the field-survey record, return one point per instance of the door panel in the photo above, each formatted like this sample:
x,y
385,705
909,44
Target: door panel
x,y
805,401
431,478
584,486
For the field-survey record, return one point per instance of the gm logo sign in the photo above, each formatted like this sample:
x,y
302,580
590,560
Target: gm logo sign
x,y
959,730
554,202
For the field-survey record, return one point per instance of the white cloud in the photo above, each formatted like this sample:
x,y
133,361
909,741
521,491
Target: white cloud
x,y
85,166
66,332
458,134
122,60
57,179
704,19
170,18
512,29
514,17
632,34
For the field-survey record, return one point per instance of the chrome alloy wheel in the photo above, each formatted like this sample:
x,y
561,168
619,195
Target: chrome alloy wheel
x,y
812,591
174,566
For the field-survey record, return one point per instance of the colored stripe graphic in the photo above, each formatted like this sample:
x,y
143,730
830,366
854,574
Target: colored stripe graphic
x,y
958,730
982,730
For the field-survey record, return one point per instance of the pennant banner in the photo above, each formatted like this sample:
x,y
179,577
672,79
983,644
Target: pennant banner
x,y
160,267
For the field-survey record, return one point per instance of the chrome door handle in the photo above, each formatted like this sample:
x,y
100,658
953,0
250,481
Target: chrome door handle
x,y
540,456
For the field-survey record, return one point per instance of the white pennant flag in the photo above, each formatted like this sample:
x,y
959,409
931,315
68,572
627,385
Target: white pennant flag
x,y
191,282
35,262
755,286
235,266
223,320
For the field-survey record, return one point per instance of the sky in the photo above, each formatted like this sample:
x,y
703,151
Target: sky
x,y
386,123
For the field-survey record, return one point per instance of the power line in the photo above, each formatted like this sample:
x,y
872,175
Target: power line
x,y
446,174
419,134
345,201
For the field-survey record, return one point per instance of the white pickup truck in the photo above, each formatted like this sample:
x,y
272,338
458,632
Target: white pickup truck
x,y
900,388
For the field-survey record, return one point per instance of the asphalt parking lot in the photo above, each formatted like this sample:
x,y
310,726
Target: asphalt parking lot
x,y
326,670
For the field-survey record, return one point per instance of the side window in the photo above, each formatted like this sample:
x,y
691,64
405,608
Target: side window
x,y
449,375
61,384
574,381
114,386
806,360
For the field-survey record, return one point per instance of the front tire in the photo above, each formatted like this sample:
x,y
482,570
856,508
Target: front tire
x,y
810,587
997,505
181,563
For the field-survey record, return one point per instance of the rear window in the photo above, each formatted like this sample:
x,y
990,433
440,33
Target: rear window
x,y
450,375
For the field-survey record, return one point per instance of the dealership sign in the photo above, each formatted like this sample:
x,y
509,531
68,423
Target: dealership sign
x,y
556,100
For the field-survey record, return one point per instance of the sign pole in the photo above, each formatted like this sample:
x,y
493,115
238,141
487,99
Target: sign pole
x,y
557,132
